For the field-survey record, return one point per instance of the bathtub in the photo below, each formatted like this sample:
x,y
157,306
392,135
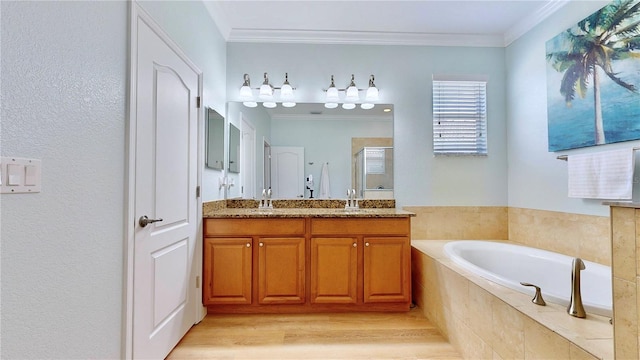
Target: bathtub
x,y
509,264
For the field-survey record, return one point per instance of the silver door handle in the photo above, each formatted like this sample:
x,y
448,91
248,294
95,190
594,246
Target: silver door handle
x,y
144,221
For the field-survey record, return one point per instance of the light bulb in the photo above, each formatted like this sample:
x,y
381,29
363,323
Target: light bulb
x,y
288,104
348,106
367,106
331,105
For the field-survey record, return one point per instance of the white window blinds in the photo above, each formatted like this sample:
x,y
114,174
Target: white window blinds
x,y
459,117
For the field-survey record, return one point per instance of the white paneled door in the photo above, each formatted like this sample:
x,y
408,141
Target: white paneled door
x,y
165,92
287,171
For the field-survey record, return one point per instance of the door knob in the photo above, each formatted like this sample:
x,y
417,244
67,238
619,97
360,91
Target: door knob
x,y
144,221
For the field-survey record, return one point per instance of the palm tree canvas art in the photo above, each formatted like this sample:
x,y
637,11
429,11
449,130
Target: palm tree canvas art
x,y
593,79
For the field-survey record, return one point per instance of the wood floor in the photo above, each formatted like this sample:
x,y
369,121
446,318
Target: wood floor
x,y
315,336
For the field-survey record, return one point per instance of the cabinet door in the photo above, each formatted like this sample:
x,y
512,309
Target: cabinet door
x,y
281,271
334,270
387,269
227,271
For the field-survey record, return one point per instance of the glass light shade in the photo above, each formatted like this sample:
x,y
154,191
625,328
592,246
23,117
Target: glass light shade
x,y
266,91
331,105
367,106
288,104
352,94
250,104
348,106
269,104
372,94
286,91
332,95
246,93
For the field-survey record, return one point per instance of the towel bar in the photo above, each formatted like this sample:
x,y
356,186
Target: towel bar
x,y
566,157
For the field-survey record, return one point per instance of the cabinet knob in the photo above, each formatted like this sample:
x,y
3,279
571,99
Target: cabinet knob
x,y
355,245
248,244
366,244
261,244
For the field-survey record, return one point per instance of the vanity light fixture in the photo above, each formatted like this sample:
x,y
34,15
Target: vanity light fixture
x,y
246,94
332,98
266,93
351,95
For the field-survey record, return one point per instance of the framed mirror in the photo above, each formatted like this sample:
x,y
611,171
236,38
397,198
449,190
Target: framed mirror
x,y
330,137
214,158
234,149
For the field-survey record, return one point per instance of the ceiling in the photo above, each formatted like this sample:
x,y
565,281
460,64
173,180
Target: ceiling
x,y
400,22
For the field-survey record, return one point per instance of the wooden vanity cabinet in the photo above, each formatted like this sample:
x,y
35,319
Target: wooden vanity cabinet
x,y
360,260
281,270
253,261
227,271
387,269
310,264
334,270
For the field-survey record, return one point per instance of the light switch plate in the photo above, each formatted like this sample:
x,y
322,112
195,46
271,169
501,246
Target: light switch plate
x,y
20,175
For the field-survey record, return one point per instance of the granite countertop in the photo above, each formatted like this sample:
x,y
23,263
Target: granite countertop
x,y
304,212
301,208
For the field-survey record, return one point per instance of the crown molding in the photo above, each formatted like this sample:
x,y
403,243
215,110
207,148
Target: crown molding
x,y
531,21
362,38
379,38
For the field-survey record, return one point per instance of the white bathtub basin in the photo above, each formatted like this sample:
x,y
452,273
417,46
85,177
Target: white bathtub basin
x,y
510,264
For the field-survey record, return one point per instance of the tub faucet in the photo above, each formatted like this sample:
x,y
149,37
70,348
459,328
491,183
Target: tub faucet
x,y
575,307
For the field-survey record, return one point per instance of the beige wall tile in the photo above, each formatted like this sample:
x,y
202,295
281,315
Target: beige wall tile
x,y
472,346
585,236
542,343
508,331
480,314
459,222
576,353
623,239
625,324
455,294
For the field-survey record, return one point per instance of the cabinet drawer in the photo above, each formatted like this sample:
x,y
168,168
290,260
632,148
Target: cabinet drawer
x,y
368,226
251,227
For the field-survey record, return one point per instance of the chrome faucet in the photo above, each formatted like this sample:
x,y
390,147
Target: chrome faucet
x,y
352,201
575,307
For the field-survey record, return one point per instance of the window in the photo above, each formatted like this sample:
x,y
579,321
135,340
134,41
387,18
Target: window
x,y
459,116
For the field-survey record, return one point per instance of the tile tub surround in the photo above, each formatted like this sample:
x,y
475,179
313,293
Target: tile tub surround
x,y
584,236
484,320
625,241
459,222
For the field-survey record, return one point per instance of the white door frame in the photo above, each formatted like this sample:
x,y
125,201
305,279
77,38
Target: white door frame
x,y
136,11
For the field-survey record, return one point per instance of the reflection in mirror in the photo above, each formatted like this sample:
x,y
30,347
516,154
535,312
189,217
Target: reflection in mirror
x,y
215,140
374,172
308,138
234,149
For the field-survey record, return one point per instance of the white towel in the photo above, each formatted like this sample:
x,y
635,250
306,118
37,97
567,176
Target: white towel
x,y
603,175
325,187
